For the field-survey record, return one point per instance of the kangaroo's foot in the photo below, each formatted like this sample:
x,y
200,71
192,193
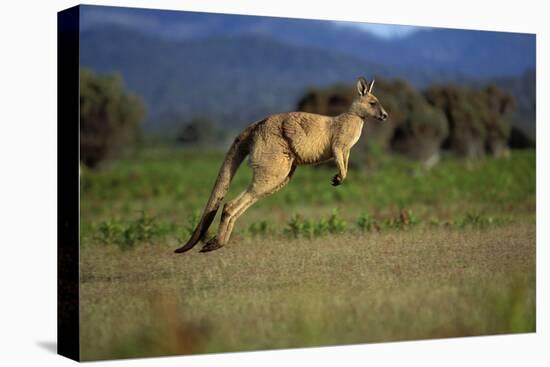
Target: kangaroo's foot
x,y
337,180
211,245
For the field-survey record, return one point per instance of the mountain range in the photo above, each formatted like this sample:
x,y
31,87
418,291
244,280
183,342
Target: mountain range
x,y
236,69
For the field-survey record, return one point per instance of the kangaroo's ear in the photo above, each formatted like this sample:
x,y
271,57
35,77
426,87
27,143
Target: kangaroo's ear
x,y
371,84
362,87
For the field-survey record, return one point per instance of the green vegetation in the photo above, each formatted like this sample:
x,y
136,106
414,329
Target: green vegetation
x,y
397,252
298,227
126,235
172,187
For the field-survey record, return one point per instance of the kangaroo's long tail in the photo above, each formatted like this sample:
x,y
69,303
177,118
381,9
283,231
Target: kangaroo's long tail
x,y
233,159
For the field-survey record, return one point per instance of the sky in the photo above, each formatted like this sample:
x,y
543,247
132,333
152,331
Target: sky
x,y
386,31
149,18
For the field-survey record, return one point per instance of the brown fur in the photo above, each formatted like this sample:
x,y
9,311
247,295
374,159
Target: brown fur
x,y
276,145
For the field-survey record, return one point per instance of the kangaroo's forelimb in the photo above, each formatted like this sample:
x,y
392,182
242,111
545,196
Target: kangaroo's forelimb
x,y
340,158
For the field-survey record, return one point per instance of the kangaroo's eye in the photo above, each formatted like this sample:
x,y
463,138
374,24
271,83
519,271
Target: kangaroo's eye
x,y
372,103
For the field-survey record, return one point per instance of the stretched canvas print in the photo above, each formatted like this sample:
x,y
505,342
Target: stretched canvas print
x,y
241,183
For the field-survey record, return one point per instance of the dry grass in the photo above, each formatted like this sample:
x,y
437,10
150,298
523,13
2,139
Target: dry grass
x,y
272,293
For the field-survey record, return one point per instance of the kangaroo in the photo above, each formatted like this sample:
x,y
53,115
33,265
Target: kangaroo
x,y
275,146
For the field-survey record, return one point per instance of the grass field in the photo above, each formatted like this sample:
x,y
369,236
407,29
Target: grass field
x,y
395,253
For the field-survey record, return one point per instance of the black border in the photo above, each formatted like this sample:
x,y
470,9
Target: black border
x,y
68,183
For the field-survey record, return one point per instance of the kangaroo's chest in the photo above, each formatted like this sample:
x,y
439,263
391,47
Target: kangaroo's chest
x,y
355,135
349,133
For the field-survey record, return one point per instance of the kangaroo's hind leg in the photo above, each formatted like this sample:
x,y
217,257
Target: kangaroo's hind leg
x,y
245,204
266,180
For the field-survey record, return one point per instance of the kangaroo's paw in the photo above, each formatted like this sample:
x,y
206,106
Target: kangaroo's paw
x,y
337,180
211,245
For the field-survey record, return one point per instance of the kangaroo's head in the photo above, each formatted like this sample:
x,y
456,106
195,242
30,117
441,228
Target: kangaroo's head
x,y
366,104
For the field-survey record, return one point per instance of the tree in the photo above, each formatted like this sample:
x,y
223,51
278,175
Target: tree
x,y
479,120
419,128
499,108
110,117
199,130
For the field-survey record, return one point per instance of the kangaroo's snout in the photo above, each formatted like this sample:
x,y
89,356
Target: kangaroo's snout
x,y
383,116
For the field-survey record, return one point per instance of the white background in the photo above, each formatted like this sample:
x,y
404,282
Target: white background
x,y
28,182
